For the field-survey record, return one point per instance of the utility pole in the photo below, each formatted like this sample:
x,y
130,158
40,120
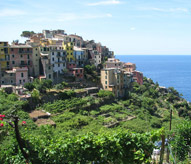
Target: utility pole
x,y
167,158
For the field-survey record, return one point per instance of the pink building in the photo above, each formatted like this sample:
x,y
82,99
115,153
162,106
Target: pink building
x,y
21,56
71,65
78,73
21,75
138,77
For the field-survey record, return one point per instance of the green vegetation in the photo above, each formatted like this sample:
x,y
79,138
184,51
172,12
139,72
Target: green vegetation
x,y
61,86
103,93
27,34
40,85
100,129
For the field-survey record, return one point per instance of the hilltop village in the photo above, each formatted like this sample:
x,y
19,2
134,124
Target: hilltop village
x,y
54,55
67,100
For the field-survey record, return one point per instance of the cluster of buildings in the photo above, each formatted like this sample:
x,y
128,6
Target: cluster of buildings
x,y
54,55
117,76
48,55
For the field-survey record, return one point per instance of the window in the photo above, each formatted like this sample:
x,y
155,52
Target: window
x,y
36,49
21,56
22,75
29,62
13,56
105,87
81,71
105,82
105,77
76,71
36,54
52,53
70,48
52,59
22,62
71,53
2,82
49,76
11,81
20,81
58,59
28,56
11,74
49,67
24,81
7,63
58,65
11,49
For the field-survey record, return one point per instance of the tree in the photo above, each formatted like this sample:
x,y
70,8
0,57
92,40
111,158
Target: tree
x,y
42,85
35,96
27,34
47,84
29,86
182,140
89,69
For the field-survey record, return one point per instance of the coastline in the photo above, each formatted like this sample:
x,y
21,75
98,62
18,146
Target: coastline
x,y
167,70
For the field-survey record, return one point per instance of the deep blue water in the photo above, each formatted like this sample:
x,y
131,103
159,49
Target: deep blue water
x,y
167,70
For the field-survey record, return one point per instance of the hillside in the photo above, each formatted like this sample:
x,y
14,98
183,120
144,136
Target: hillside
x,y
146,108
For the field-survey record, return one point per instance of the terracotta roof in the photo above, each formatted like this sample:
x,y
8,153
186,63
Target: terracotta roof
x,y
129,63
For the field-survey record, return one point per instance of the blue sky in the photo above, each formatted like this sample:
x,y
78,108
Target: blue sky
x,y
125,26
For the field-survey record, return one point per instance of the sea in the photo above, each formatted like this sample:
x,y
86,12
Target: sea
x,y
167,70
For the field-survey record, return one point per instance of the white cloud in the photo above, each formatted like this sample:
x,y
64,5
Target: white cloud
x,y
11,13
108,2
72,16
132,28
185,10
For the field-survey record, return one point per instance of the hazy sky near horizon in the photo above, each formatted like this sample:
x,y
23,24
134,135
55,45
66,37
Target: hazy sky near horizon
x,y
125,26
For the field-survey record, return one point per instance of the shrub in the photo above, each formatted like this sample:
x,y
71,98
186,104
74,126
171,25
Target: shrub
x,y
103,93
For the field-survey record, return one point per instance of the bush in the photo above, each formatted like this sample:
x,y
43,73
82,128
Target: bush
x,y
67,94
29,86
103,93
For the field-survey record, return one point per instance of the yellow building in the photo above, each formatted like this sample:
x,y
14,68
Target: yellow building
x,y
116,80
47,42
4,51
69,48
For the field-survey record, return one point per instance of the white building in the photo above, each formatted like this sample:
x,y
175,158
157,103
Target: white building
x,y
57,58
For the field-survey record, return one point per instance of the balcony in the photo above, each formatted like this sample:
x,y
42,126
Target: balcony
x,y
25,52
59,55
23,65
